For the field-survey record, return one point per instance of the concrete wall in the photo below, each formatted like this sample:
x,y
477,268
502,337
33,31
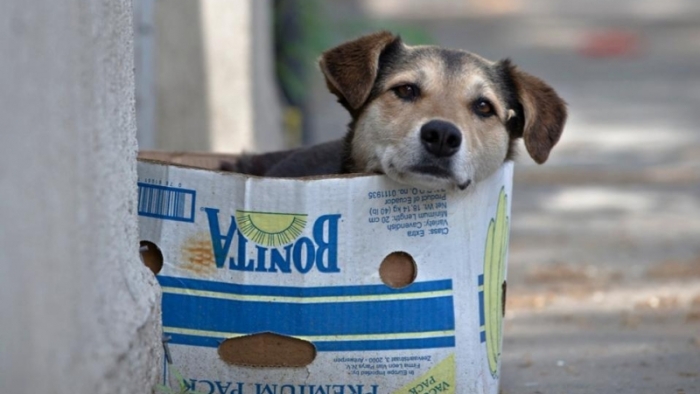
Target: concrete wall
x,y
214,82
78,311
267,130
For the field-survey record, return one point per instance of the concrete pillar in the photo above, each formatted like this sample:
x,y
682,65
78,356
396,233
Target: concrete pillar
x,y
214,76
79,313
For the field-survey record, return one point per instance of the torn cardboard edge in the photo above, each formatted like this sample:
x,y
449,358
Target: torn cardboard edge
x,y
213,161
201,160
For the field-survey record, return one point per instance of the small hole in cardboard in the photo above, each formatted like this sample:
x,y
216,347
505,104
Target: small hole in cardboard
x,y
151,256
267,350
398,269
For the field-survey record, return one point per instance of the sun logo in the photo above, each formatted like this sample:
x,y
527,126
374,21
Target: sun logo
x,y
492,284
269,228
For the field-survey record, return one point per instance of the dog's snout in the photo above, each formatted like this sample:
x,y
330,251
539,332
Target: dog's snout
x,y
440,138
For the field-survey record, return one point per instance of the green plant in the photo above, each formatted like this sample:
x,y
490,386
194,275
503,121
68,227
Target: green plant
x,y
182,384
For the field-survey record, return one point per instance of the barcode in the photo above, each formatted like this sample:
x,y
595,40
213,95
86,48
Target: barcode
x,y
168,203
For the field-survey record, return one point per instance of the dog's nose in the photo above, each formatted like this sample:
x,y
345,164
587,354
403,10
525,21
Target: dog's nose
x,y
440,138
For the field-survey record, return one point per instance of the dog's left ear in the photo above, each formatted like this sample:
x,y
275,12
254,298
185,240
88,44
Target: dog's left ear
x,y
351,68
543,110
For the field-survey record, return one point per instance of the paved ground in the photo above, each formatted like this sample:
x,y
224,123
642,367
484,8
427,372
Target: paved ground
x,y
604,274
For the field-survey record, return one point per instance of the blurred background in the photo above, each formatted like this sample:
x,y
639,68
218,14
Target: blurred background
x,y
604,274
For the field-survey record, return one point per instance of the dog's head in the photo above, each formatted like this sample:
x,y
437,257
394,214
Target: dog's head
x,y
436,117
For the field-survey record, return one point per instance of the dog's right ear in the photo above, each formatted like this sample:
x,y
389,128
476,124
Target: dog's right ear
x,y
351,68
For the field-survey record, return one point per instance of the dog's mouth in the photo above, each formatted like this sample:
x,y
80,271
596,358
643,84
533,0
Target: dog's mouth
x,y
426,175
433,170
441,172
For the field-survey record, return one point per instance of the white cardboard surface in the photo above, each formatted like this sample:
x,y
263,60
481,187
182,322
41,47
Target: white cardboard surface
x,y
301,257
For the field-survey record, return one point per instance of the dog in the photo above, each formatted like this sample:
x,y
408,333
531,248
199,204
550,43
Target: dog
x,y
425,116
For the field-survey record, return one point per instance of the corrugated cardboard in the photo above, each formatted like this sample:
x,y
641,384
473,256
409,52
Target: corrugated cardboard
x,y
301,259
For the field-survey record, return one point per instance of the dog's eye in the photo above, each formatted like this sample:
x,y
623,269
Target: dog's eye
x,y
483,108
408,92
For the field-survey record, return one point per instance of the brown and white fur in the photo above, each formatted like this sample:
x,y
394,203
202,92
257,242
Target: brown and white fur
x,y
424,116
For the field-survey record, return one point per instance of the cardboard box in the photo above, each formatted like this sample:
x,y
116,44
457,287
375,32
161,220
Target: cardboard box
x,y
323,267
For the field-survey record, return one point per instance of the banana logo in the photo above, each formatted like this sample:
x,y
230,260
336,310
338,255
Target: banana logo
x,y
492,284
269,228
